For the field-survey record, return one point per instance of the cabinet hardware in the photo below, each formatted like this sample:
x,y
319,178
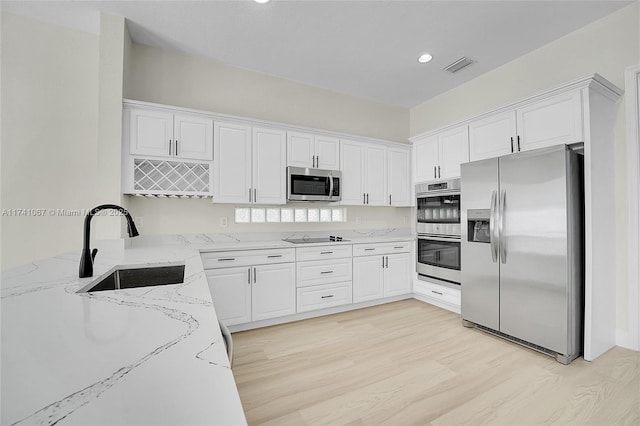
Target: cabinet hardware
x,y
387,261
326,297
389,199
434,172
439,175
367,198
254,275
169,146
176,147
398,247
222,259
274,255
363,198
326,272
511,143
369,249
326,252
317,161
518,143
250,194
382,262
255,195
436,292
249,276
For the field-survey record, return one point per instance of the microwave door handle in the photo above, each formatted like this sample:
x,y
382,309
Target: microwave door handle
x,y
492,227
330,186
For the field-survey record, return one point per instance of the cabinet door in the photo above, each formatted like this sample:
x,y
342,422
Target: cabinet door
x,y
327,153
352,167
300,149
367,278
425,154
269,166
375,180
453,150
232,163
193,137
399,172
231,294
553,121
150,132
273,291
491,137
396,274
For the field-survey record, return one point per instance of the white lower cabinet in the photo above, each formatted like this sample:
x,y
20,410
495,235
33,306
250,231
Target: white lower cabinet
x,y
383,274
324,296
244,291
273,291
231,294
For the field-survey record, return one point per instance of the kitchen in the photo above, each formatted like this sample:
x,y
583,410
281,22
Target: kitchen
x,y
83,96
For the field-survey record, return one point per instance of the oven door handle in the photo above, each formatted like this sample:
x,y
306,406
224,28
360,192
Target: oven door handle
x,y
492,227
440,238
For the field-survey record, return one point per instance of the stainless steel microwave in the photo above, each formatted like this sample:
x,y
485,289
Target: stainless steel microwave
x,y
306,184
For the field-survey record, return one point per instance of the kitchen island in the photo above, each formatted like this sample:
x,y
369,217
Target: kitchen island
x,y
148,355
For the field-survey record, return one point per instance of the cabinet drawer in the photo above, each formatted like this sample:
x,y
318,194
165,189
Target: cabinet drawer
x,y
324,296
323,252
226,259
438,292
323,272
370,249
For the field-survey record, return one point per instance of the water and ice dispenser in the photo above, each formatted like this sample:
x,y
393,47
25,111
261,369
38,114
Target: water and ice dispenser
x,y
478,225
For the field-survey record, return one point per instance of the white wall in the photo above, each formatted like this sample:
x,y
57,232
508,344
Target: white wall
x,y
49,122
606,46
166,77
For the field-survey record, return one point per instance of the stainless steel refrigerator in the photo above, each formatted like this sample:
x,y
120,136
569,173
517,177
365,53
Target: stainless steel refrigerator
x,y
522,258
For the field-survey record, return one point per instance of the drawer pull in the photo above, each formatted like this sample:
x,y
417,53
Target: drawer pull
x,y
436,292
369,249
226,258
398,247
326,252
274,255
326,272
326,297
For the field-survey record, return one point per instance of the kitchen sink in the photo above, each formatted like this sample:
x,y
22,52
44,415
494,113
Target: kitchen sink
x,y
139,277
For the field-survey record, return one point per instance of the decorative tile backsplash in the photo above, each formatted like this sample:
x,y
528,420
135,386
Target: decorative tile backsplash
x,y
289,215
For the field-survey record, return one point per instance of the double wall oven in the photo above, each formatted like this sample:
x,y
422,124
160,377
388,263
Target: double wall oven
x,y
438,228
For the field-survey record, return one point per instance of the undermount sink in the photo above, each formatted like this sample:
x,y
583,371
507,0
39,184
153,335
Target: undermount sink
x,y
139,277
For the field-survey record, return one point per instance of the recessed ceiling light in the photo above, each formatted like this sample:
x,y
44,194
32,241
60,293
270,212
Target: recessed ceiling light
x,y
262,1
424,58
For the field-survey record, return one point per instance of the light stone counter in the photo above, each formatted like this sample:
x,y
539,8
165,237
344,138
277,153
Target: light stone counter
x,y
151,355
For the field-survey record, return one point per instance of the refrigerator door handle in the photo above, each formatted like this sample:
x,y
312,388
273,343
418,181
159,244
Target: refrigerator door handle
x,y
501,242
492,227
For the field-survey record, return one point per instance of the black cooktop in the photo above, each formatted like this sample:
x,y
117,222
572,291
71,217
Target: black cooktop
x,y
308,240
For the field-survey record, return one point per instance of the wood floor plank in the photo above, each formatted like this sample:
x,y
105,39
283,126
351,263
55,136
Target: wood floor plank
x,y
411,363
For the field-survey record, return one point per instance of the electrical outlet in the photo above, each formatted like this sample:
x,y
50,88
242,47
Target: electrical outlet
x,y
139,221
224,222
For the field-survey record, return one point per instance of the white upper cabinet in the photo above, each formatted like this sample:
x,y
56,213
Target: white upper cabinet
x,y
315,151
249,165
164,134
553,121
547,122
364,173
375,178
151,132
492,136
193,137
399,176
232,163
352,168
269,166
439,156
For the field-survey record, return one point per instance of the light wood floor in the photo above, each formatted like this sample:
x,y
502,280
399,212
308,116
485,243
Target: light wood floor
x,y
410,363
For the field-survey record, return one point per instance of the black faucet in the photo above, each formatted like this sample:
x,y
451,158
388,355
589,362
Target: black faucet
x,y
86,260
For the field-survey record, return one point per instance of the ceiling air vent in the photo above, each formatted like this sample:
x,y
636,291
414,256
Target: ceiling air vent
x,y
459,64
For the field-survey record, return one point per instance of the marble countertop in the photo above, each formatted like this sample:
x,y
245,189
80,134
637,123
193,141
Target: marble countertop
x,y
151,355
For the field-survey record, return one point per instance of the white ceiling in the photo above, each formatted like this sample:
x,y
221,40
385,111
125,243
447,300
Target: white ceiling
x,y
366,49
